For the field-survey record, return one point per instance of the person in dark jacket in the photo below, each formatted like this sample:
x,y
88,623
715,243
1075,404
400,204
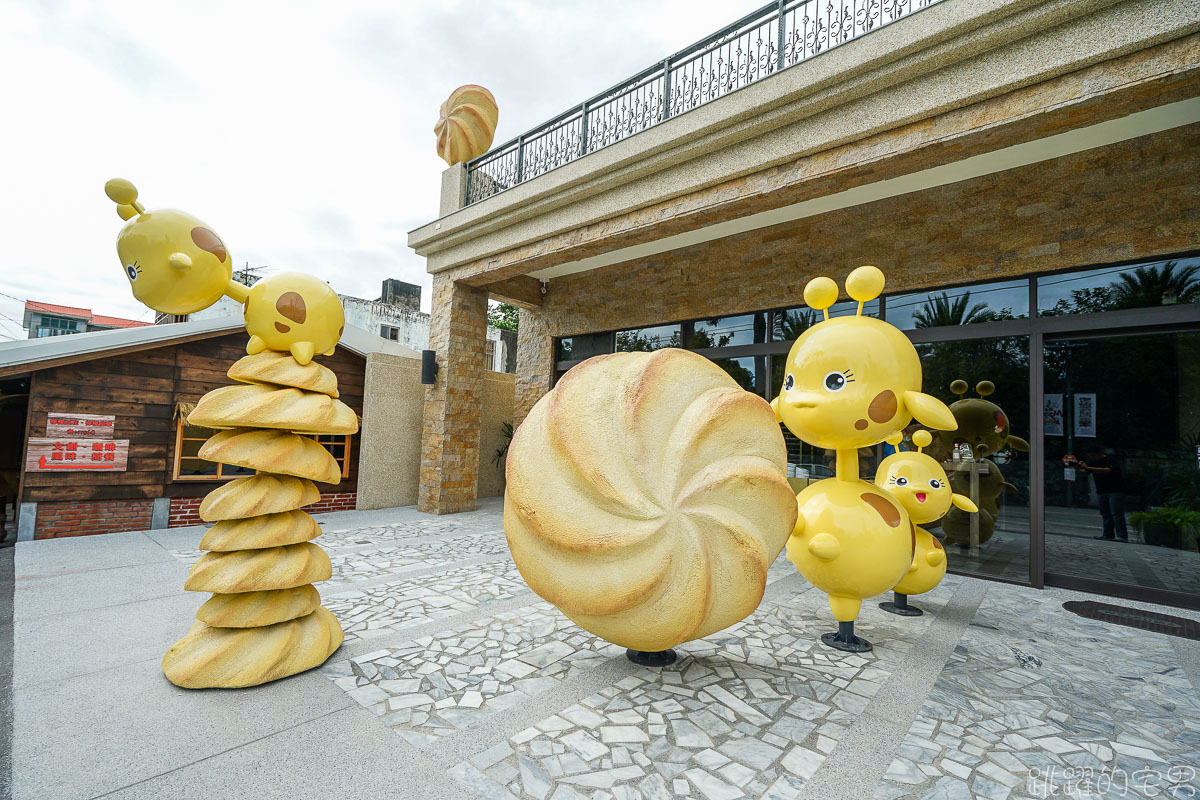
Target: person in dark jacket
x,y
1110,490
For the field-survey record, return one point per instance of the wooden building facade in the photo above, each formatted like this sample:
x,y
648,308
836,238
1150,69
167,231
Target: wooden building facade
x,y
146,388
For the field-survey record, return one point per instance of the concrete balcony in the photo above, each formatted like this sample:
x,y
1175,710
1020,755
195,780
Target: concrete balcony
x,y
960,78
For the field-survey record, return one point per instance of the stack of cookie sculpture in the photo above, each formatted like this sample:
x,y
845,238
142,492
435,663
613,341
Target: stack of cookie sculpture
x,y
264,620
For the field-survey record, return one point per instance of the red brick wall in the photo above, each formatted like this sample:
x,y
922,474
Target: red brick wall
x,y
87,517
334,501
186,510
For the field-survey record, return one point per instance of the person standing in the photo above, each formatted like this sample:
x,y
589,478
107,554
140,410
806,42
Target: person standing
x,y
1110,490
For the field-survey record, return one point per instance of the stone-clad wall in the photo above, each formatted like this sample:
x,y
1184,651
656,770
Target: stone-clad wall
x,y
390,439
450,433
389,465
1132,200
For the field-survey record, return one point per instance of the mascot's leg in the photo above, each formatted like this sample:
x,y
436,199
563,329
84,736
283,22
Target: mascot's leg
x,y
899,605
845,611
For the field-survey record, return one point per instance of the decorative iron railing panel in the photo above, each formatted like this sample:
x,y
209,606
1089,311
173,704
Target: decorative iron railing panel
x,y
774,37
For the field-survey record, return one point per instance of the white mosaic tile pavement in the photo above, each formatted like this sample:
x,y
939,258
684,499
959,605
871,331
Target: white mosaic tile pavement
x,y
410,545
404,532
403,603
361,565
436,685
1038,702
748,712
1034,703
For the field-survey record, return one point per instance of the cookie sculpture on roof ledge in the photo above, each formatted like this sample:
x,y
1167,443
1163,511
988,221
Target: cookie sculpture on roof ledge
x,y
647,495
466,124
264,620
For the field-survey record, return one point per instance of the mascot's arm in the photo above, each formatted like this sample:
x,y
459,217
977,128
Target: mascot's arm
x,y
798,528
963,502
825,546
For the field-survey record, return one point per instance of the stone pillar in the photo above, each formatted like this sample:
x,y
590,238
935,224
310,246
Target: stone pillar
x,y
450,429
535,362
454,189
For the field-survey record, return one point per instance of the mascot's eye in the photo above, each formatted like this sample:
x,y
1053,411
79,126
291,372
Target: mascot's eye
x,y
835,381
935,483
788,382
131,271
902,481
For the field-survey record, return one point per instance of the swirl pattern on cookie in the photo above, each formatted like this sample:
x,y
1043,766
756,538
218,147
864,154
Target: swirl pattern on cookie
x,y
255,533
256,570
258,494
273,451
280,369
234,657
254,405
255,609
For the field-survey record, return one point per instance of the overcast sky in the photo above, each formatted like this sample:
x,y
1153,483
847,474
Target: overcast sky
x,y
301,132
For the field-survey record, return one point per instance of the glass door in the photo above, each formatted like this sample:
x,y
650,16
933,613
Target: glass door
x,y
1121,464
986,383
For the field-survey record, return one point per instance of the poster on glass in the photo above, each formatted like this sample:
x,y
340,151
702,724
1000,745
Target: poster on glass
x,y
1052,415
1085,415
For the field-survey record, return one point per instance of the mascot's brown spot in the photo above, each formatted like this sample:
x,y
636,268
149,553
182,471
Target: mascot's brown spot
x,y
291,305
861,425
883,407
340,331
886,510
208,241
279,326
936,543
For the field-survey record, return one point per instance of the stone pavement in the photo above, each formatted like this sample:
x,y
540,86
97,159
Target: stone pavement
x,y
455,681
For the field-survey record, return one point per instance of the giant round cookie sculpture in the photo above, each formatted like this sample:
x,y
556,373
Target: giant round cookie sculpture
x,y
647,495
264,620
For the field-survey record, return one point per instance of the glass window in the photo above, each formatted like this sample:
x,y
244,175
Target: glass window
x,y
966,305
338,447
54,326
389,332
988,465
1122,466
640,340
749,372
787,324
729,331
189,465
577,348
1159,283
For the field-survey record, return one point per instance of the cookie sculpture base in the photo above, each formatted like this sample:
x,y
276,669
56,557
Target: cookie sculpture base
x,y
647,495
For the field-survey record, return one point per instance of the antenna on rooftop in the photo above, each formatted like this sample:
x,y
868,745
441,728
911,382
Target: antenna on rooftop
x,y
248,275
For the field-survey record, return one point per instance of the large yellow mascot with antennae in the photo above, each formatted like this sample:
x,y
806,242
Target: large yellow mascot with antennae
x,y
264,620
852,382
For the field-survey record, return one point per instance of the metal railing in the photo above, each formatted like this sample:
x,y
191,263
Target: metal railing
x,y
759,44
